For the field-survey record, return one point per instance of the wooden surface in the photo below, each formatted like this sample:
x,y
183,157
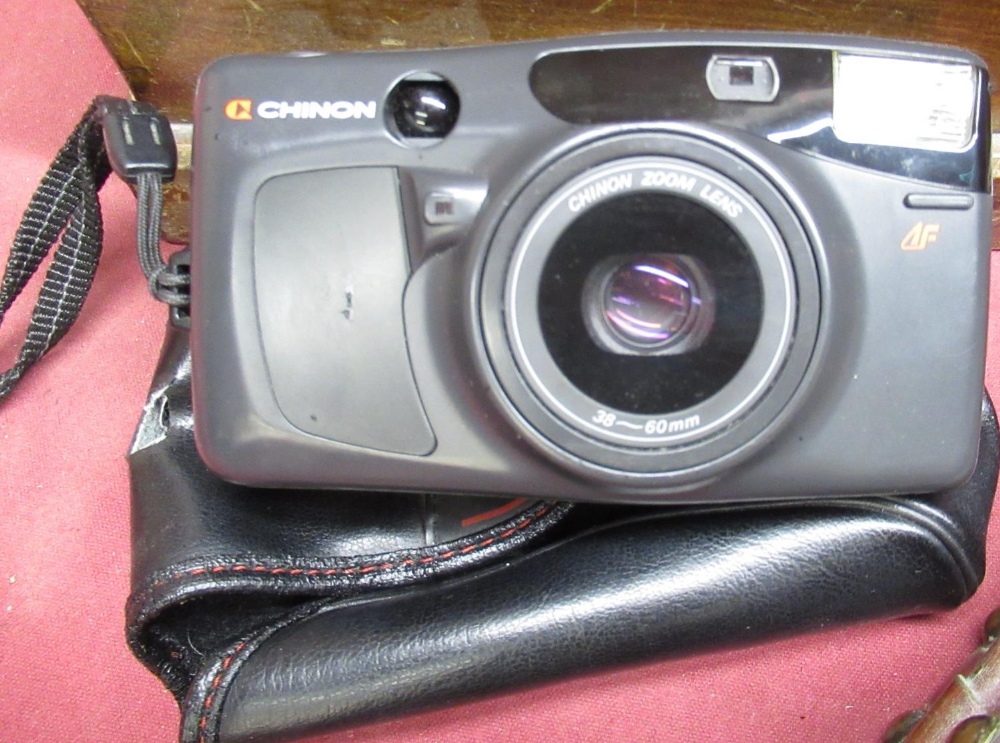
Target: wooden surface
x,y
162,45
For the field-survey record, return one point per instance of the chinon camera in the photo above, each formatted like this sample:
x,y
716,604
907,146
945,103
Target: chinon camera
x,y
641,268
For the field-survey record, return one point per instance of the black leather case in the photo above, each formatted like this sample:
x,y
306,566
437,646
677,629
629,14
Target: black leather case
x,y
272,615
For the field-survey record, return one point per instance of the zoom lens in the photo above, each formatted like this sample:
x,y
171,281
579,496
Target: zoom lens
x,y
648,304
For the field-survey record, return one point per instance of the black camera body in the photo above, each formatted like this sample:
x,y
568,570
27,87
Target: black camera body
x,y
643,268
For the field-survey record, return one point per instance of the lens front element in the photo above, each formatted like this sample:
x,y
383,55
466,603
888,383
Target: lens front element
x,y
648,304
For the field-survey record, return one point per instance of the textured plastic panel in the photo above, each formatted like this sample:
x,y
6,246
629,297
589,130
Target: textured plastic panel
x,y
330,267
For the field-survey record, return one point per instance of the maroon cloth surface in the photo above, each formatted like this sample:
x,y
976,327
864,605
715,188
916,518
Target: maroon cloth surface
x,y
65,671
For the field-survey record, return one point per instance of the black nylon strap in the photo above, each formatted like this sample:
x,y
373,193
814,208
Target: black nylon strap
x,y
135,141
65,202
150,202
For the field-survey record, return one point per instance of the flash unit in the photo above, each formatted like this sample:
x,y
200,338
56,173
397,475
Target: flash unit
x,y
904,102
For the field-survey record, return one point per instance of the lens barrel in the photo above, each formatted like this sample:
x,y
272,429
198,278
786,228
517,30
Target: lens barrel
x,y
649,306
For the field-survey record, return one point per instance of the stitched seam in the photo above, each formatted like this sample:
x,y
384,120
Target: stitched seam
x,y
213,688
359,569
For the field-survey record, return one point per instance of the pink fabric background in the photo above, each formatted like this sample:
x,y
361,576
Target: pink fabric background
x,y
65,671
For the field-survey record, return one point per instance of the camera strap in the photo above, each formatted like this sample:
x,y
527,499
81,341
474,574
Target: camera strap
x,y
134,141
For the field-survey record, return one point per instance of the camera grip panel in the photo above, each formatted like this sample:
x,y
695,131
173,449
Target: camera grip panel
x,y
329,250
314,611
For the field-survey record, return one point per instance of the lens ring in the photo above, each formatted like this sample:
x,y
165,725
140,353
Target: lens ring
x,y
588,412
603,441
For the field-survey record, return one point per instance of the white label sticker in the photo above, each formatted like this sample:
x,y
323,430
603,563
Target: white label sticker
x,y
904,102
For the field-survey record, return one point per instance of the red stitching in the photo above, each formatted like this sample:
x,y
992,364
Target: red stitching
x,y
361,570
357,569
207,705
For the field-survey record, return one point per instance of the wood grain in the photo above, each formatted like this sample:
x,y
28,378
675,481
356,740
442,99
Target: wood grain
x,y
162,45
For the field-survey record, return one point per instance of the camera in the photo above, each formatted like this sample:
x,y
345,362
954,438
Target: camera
x,y
666,267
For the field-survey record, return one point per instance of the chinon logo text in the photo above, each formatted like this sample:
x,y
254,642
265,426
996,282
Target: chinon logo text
x,y
240,109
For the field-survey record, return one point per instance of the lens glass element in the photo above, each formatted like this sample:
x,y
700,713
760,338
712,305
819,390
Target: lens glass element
x,y
648,303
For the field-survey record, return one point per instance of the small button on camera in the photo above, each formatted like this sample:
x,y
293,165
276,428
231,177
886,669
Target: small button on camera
x,y
423,107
